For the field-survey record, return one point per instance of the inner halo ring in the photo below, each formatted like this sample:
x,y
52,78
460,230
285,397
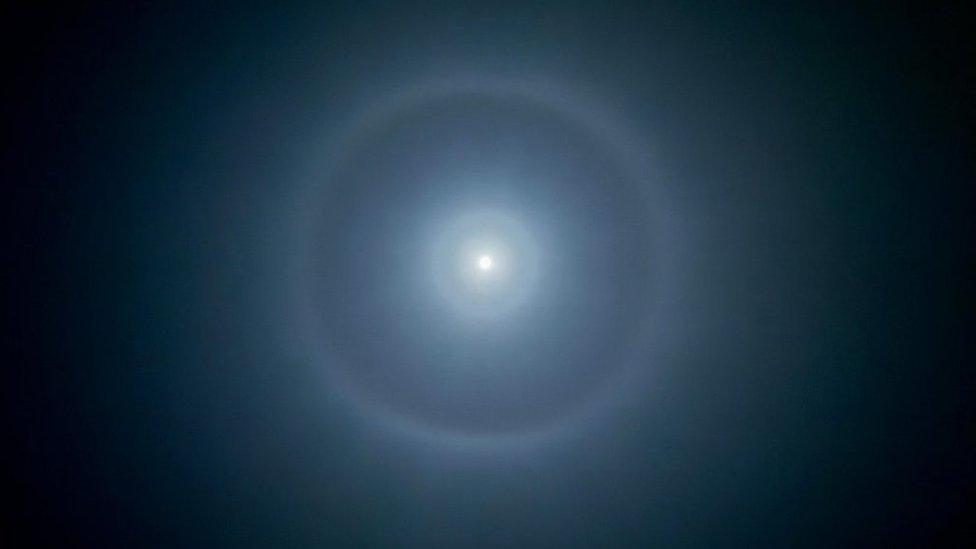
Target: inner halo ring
x,y
632,158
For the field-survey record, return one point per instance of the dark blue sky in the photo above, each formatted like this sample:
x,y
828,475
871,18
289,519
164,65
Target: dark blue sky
x,y
739,311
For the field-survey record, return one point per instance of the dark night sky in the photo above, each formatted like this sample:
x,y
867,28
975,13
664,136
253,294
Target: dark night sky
x,y
795,295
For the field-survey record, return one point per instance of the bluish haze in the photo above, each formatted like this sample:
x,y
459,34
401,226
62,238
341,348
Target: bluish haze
x,y
730,260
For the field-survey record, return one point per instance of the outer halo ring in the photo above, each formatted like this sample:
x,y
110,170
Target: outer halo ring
x,y
631,156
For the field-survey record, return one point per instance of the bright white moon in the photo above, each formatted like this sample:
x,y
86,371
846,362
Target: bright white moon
x,y
484,263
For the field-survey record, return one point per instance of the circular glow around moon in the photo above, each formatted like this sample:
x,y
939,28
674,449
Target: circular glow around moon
x,y
483,309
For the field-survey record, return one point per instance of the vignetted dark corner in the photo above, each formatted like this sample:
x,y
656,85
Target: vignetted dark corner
x,y
479,274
